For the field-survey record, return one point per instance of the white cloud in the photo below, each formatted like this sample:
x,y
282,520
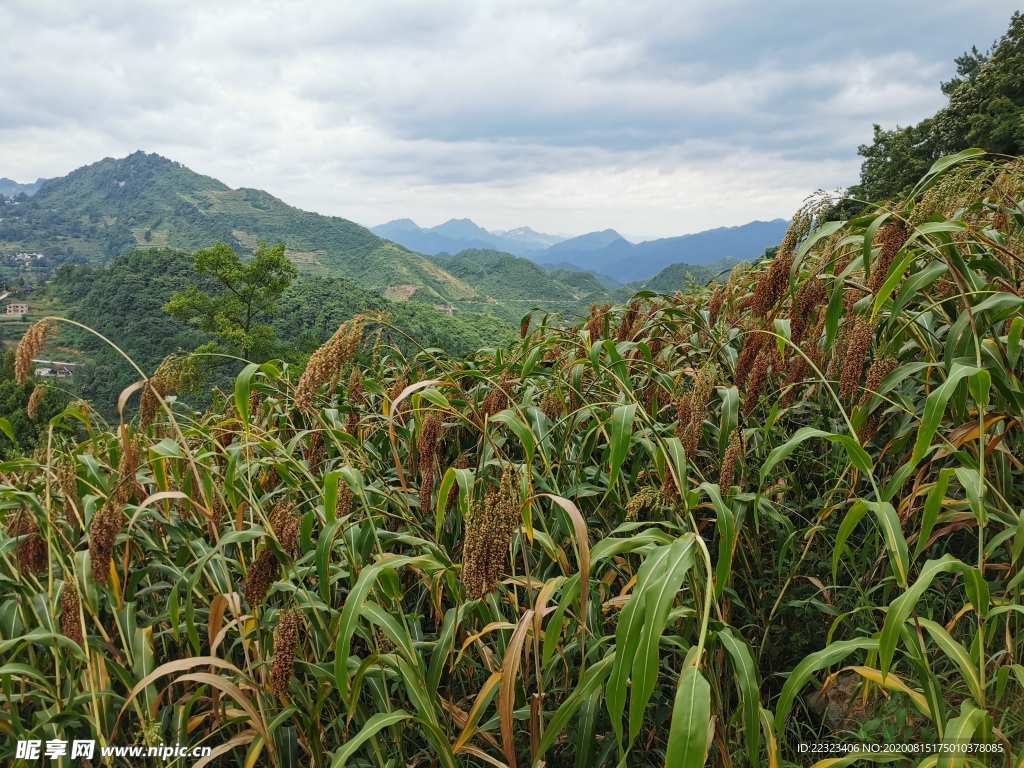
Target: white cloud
x,y
654,116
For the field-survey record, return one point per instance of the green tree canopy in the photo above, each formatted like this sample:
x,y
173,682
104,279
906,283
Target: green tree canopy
x,y
985,109
237,314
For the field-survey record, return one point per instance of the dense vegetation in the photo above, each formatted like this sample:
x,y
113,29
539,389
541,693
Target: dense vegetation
x,y
678,277
985,109
519,284
698,529
124,302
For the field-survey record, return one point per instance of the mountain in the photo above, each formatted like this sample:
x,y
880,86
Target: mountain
x,y
605,253
609,253
464,229
11,188
518,284
678,277
607,281
457,235
406,233
142,201
529,237
588,243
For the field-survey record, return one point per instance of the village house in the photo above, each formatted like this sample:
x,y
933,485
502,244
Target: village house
x,y
17,309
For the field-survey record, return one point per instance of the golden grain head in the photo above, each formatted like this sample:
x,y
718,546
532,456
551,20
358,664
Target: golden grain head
x,y
597,320
426,490
285,519
773,283
497,398
683,404
715,303
551,405
31,552
795,373
174,373
755,381
343,503
31,344
35,400
808,299
427,439
892,236
876,375
745,361
326,363
627,325
839,344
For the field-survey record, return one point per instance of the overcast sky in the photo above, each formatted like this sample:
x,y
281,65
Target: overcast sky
x,y
652,117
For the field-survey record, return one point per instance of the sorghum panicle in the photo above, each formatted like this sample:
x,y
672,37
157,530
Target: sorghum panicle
x,y
856,353
647,498
30,345
34,401
70,621
489,529
729,462
286,640
31,552
756,380
106,523
893,235
326,363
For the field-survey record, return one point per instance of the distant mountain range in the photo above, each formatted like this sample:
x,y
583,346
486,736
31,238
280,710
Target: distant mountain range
x,y
611,254
605,253
461,234
11,188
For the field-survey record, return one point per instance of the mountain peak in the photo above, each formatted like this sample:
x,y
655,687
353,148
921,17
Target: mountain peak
x,y
463,229
530,237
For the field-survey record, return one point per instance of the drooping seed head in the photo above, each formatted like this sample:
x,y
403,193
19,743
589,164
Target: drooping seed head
x,y
35,400
856,353
489,528
70,619
31,552
730,462
758,376
30,345
327,362
106,524
893,235
286,640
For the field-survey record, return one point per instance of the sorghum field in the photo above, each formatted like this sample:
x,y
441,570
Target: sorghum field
x,y
694,530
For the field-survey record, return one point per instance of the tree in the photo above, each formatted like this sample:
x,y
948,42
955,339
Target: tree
x,y
985,109
247,298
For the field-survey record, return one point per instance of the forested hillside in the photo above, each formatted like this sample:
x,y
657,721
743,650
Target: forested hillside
x,y
143,201
518,284
126,300
678,277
